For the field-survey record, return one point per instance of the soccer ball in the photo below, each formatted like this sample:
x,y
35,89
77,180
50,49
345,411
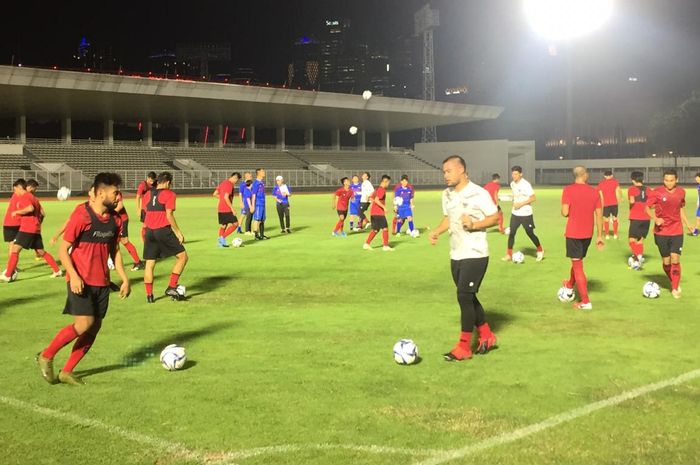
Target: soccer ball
x,y
651,290
180,289
415,233
398,201
507,231
565,294
237,242
518,257
63,193
14,274
173,357
353,130
367,94
633,263
405,352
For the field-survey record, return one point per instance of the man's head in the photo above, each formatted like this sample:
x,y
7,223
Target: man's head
x,y
164,180
516,173
637,177
151,177
345,182
697,177
235,176
248,176
19,186
365,176
105,189
355,179
386,179
279,180
670,179
404,180
581,174
608,174
495,177
32,186
454,170
260,173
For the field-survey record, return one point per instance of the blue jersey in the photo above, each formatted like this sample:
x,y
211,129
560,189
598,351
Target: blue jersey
x,y
258,189
277,192
245,194
357,189
405,193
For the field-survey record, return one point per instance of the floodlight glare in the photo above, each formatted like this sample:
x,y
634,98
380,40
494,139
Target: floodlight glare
x,y
567,19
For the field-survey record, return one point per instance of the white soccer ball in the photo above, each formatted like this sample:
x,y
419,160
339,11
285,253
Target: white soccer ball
x,y
651,290
633,263
180,289
405,352
110,263
173,357
415,233
398,201
518,257
14,274
565,294
237,242
367,94
63,193
353,130
506,231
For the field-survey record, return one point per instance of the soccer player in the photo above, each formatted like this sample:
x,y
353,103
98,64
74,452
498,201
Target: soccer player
x,y
143,187
378,215
163,236
124,239
341,199
521,215
228,222
610,191
257,204
665,207
404,212
581,206
354,208
366,191
281,193
91,236
492,188
31,214
11,223
245,195
468,211
696,231
639,220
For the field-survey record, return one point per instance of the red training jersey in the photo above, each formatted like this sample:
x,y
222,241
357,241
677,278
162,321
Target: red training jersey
x,y
30,222
12,221
93,238
667,206
344,197
379,194
609,189
157,202
123,215
141,190
225,190
583,200
493,187
638,208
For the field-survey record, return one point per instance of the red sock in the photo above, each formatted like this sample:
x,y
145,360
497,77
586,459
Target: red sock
x,y
228,231
615,226
52,263
539,248
60,340
509,252
633,248
667,270
675,275
370,236
606,226
581,281
221,232
500,221
393,224
149,288
80,348
484,331
174,277
132,251
640,248
572,279
339,226
12,264
465,340
385,237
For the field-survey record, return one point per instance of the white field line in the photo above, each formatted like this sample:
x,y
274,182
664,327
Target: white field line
x,y
556,420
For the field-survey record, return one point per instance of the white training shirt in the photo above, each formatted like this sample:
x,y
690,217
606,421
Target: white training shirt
x,y
366,190
522,190
476,202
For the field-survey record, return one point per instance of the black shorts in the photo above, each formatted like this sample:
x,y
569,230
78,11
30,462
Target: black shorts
x,y
468,273
92,302
29,240
379,222
227,218
10,232
125,228
639,229
343,213
610,210
161,243
527,222
143,215
669,244
577,248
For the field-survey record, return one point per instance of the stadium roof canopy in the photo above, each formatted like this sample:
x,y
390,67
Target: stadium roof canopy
x,y
54,94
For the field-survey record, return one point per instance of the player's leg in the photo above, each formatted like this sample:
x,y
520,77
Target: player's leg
x,y
529,227
606,223
615,223
465,299
12,260
501,229
411,226
280,215
87,327
396,224
487,340
375,230
148,273
385,238
287,218
338,228
151,252
48,258
138,265
249,224
514,225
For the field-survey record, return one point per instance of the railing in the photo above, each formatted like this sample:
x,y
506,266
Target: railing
x,y
49,181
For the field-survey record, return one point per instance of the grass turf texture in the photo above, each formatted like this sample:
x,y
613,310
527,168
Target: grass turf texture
x,y
289,342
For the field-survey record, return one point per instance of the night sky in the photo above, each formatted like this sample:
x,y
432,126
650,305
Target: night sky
x,y
484,44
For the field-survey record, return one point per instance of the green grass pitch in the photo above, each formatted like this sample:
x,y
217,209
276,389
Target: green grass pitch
x,y
290,341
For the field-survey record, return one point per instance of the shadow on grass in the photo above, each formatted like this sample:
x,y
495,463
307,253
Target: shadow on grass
x,y
659,278
141,354
294,230
498,319
596,285
210,284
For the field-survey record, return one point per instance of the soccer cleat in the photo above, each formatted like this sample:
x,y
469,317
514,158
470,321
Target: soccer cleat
x,y
343,234
264,238
582,306
676,293
150,299
70,378
615,236
386,248
486,344
366,246
607,237
457,354
57,274
334,234
172,293
289,231
46,368
222,242
138,266
540,256
507,258
283,232
356,230
5,278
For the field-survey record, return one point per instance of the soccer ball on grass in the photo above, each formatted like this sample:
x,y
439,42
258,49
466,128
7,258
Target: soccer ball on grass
x,y
405,352
518,257
565,294
651,290
173,357
237,242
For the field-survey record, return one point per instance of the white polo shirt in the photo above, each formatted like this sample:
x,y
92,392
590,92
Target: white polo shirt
x,y
476,202
522,190
366,190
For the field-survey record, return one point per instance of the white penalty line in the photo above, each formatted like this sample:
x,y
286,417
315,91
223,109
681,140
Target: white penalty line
x,y
556,420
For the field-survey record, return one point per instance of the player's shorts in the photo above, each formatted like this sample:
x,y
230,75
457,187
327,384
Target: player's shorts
x,y
527,222
143,215
405,212
669,244
125,228
639,229
161,243
610,210
10,232
92,302
29,240
577,248
343,213
468,273
259,214
355,208
379,222
227,218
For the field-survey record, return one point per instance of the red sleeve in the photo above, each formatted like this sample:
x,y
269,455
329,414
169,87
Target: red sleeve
x,y
170,201
682,197
565,198
651,200
23,202
120,226
77,223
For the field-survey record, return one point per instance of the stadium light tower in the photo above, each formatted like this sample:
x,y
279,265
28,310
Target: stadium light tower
x,y
426,20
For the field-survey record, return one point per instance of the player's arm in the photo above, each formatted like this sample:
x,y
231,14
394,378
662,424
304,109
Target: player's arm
x,y
279,192
335,202
251,202
687,224
565,210
76,283
173,224
599,228
380,203
528,201
228,202
24,211
59,233
124,289
651,211
470,225
441,228
631,199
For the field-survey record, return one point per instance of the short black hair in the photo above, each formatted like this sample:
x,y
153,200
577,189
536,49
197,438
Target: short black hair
x,y
165,176
106,179
517,168
367,173
152,175
495,176
671,172
236,174
21,183
257,170
697,175
342,180
458,158
386,176
32,183
404,177
637,176
607,173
